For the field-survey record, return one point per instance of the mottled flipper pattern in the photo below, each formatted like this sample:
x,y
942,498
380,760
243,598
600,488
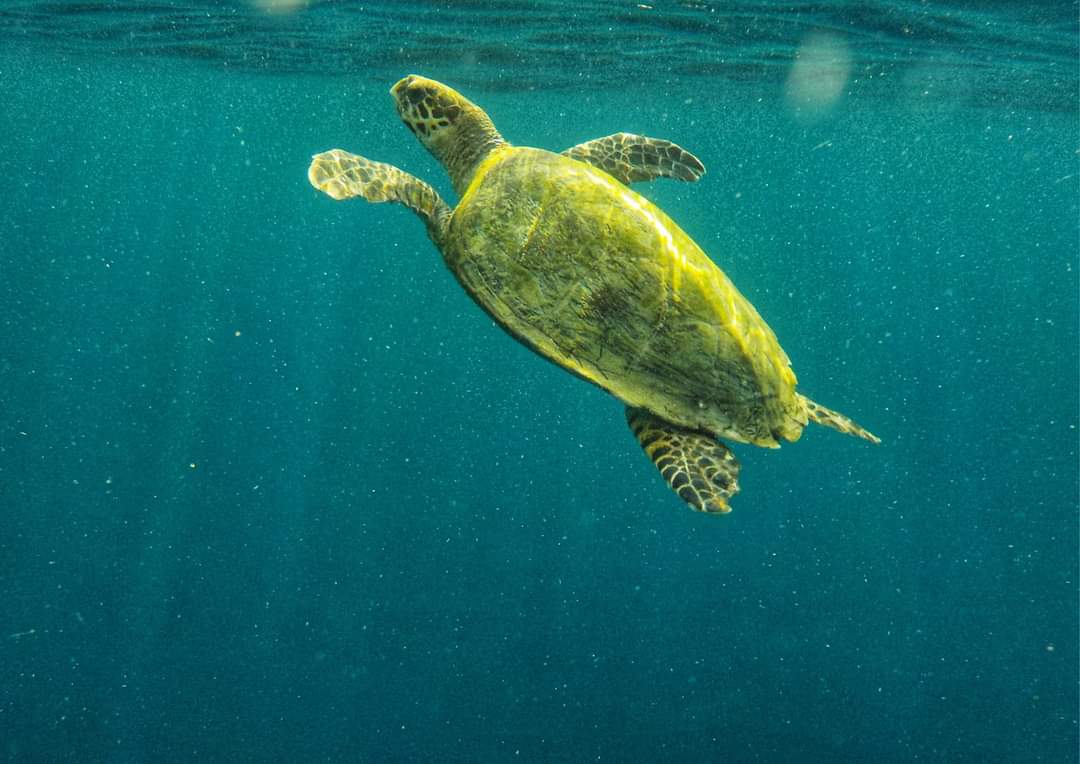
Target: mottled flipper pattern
x,y
699,468
837,421
630,158
342,175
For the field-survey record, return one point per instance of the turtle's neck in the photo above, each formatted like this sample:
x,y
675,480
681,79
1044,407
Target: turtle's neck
x,y
474,137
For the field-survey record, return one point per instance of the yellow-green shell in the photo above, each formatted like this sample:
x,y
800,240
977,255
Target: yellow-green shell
x,y
599,280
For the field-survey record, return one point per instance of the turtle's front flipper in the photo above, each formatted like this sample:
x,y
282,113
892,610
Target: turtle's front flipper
x,y
631,157
699,468
342,175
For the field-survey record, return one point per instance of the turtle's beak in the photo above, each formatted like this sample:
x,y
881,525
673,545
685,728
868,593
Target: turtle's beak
x,y
401,85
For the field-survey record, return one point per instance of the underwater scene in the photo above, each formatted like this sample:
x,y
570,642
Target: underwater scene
x,y
275,487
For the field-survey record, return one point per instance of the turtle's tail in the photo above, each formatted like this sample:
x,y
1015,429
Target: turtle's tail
x,y
836,420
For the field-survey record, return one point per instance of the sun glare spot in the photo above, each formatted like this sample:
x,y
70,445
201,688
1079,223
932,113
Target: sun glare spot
x,y
818,76
279,6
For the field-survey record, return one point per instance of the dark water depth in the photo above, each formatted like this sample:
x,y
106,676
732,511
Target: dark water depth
x,y
273,489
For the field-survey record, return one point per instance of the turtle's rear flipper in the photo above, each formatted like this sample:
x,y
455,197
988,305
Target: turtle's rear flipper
x,y
630,158
837,421
697,467
342,175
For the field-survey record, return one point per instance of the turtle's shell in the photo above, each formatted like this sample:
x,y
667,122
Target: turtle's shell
x,y
599,280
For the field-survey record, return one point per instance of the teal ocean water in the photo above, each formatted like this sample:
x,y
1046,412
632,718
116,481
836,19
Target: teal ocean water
x,y
272,488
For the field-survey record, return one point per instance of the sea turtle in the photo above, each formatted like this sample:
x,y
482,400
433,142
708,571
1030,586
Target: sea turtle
x,y
571,262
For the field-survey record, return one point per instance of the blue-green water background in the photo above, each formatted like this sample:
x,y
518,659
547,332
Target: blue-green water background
x,y
273,488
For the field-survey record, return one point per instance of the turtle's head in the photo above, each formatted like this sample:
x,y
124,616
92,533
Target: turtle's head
x,y
455,130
